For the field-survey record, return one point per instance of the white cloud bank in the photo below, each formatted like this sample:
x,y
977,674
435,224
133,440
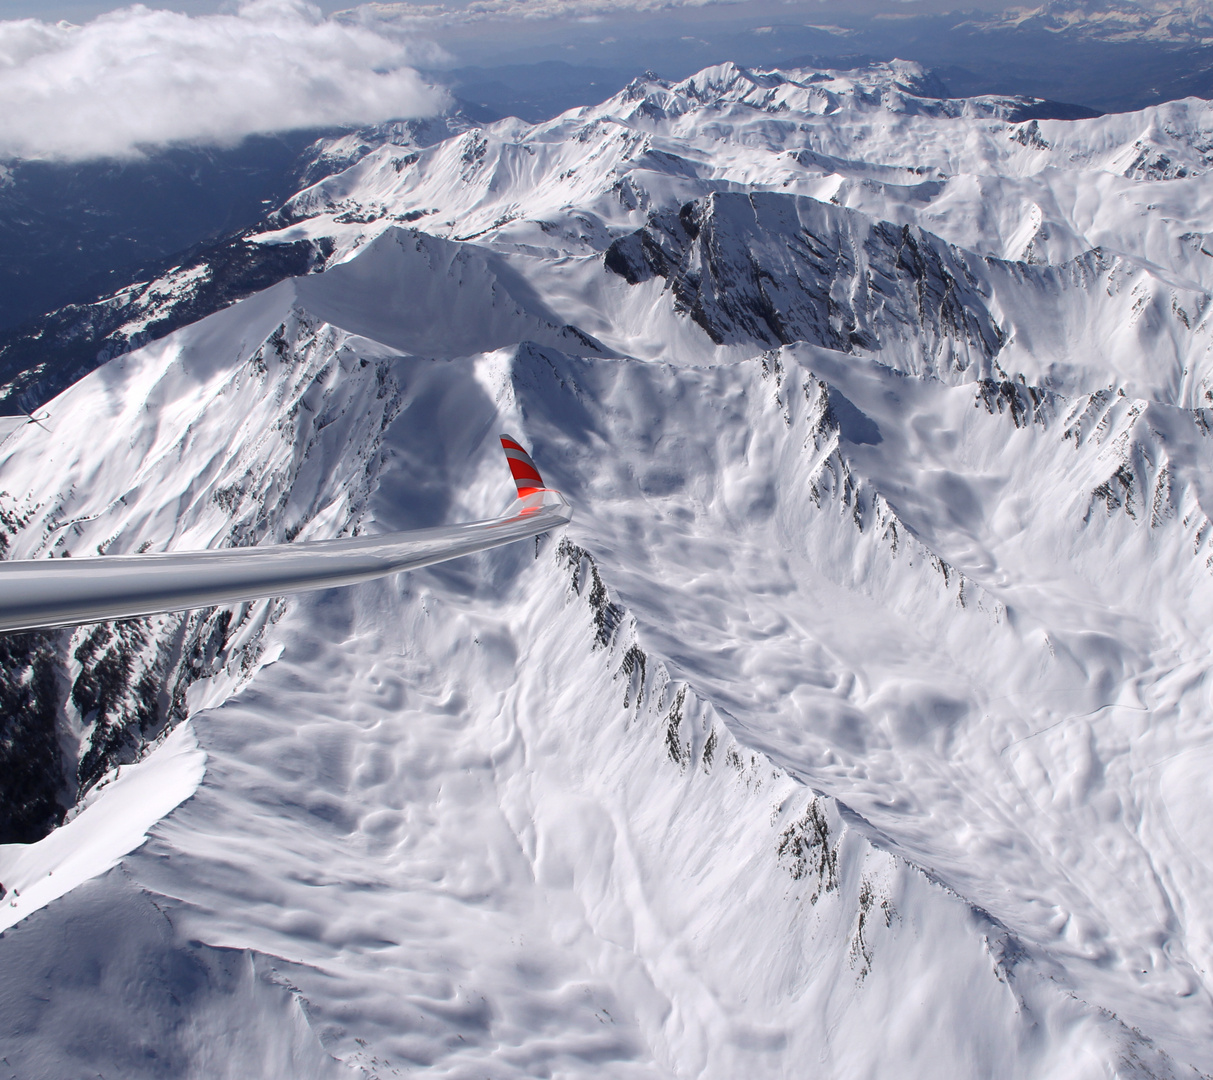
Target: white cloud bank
x,y
136,78
483,10
455,13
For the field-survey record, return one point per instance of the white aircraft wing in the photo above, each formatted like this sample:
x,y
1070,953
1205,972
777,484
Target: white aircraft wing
x,y
41,593
10,425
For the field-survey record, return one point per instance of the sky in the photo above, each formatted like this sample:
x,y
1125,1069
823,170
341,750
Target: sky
x,y
138,77
86,9
122,80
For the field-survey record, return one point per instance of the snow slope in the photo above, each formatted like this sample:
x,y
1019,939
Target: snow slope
x,y
857,725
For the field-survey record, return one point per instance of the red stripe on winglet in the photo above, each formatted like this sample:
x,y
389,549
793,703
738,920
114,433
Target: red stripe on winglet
x,y
523,471
522,468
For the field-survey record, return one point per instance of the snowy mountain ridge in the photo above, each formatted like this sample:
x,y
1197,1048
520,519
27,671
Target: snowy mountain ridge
x,y
859,718
571,186
1173,22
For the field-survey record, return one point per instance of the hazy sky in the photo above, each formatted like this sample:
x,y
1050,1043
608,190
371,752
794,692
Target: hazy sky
x,y
86,9
77,10
138,77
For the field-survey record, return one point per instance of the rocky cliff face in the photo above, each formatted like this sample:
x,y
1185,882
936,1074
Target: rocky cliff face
x,y
772,269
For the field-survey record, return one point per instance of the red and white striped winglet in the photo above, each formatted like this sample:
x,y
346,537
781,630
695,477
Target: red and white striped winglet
x,y
526,476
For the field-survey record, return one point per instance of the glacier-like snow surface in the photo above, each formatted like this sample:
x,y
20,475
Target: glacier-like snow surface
x,y
858,725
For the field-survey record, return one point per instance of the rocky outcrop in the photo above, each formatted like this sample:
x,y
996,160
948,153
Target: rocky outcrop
x,y
769,269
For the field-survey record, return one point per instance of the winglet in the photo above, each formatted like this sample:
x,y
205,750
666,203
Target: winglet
x,y
526,476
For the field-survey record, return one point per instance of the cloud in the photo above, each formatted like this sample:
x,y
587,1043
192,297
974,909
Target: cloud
x,y
137,78
462,13
484,10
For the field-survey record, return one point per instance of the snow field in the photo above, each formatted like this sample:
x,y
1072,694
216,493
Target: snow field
x,y
726,640
859,719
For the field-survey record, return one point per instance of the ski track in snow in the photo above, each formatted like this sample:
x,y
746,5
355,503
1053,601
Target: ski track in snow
x,y
858,723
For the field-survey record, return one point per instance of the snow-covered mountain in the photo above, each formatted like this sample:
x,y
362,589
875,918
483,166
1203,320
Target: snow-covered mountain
x,y
857,725
44,355
1168,22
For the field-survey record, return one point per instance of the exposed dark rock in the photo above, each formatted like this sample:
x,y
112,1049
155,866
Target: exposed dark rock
x,y
1025,404
112,693
1029,135
32,787
607,615
679,752
804,849
773,269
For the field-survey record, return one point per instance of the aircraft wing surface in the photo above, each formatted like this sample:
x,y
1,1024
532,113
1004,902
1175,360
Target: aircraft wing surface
x,y
41,593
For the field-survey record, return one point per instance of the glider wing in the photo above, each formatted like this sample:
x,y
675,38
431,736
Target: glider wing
x,y
40,593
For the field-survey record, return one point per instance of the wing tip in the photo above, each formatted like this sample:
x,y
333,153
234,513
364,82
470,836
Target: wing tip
x,y
526,476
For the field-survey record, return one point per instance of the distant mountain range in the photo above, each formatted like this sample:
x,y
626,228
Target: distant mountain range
x,y
1168,22
73,233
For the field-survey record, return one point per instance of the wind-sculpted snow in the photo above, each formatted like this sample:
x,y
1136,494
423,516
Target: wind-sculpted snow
x,y
392,290
857,725
487,821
